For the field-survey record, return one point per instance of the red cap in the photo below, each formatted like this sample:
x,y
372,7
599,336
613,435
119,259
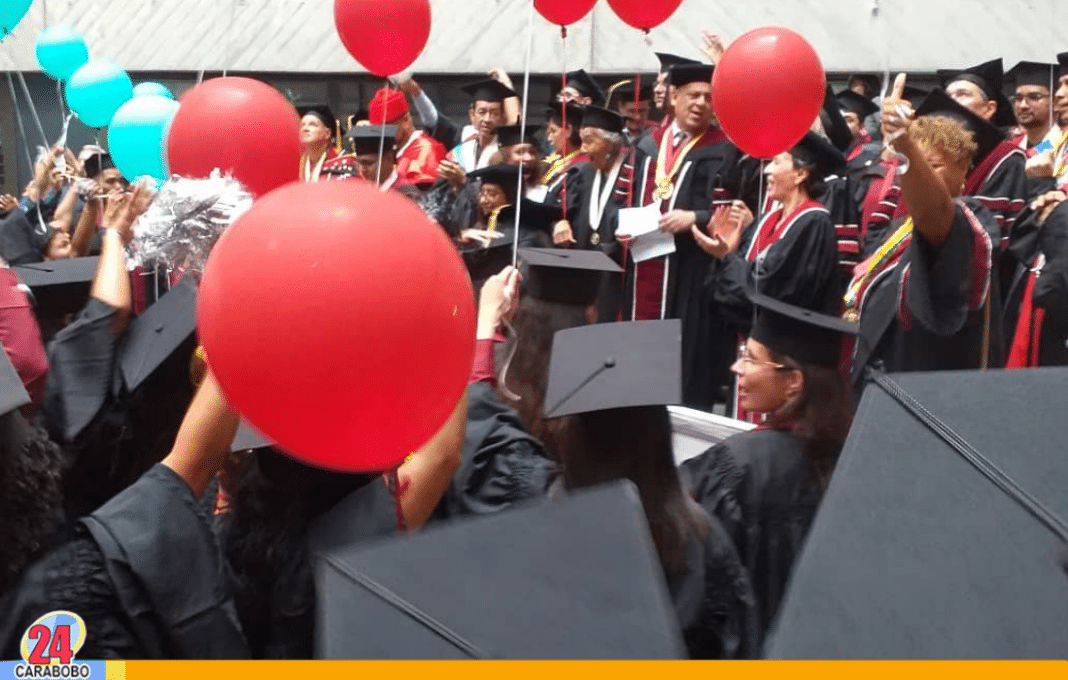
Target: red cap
x,y
387,106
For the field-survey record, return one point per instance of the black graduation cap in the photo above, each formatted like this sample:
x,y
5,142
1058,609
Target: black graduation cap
x,y
504,175
871,80
1062,61
59,287
248,439
489,90
585,85
816,150
510,135
834,123
615,365
13,394
685,74
805,336
856,103
914,95
157,333
667,61
555,113
623,92
921,550
989,77
986,136
602,119
369,138
323,113
98,163
1032,73
574,578
564,275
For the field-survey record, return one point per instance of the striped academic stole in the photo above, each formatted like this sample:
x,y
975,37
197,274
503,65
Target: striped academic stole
x,y
622,194
866,273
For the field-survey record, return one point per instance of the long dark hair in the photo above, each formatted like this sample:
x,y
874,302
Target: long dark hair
x,y
821,414
31,469
536,322
635,443
273,501
815,184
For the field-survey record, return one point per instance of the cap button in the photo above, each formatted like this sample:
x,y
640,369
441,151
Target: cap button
x,y
609,362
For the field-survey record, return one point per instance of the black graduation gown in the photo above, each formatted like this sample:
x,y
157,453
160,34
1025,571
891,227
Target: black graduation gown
x,y
800,268
19,241
502,466
146,574
714,600
758,484
844,199
710,175
927,312
602,236
1028,242
1004,189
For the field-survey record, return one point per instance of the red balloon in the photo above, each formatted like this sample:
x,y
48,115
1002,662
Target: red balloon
x,y
241,126
564,12
385,36
644,14
767,90
340,322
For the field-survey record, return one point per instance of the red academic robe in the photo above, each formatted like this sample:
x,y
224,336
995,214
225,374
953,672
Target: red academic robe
x,y
418,159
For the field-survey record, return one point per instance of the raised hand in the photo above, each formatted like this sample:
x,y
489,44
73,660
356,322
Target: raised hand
x,y
562,234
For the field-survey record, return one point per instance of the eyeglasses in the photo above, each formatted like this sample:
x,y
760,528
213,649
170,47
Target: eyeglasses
x,y
749,360
1031,97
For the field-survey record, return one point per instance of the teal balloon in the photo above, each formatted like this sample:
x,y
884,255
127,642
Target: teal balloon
x,y
137,136
11,13
97,90
150,89
61,51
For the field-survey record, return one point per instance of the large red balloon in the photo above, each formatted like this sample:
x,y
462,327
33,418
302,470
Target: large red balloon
x,y
238,125
385,36
564,12
767,90
644,14
340,322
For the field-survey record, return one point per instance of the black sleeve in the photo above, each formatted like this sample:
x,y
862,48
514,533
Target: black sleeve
x,y
73,577
81,362
942,285
502,464
1051,286
145,573
171,578
446,132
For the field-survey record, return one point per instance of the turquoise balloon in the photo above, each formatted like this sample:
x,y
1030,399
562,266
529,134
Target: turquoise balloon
x,y
137,136
61,51
152,89
11,13
97,90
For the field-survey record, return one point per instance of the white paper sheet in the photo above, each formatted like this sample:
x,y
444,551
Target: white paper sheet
x,y
643,224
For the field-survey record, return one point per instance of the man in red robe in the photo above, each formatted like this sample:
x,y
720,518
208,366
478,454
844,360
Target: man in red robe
x,y
418,155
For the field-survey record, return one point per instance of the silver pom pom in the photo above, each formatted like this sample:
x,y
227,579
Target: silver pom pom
x,y
184,221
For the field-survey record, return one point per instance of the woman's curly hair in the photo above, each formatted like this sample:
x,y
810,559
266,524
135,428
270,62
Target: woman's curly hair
x,y
31,469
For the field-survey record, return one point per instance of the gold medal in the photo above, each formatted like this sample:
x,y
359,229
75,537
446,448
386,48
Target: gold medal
x,y
851,315
595,238
664,188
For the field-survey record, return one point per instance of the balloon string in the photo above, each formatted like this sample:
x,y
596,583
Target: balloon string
x,y
33,110
25,141
761,209
503,382
563,118
519,192
382,139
